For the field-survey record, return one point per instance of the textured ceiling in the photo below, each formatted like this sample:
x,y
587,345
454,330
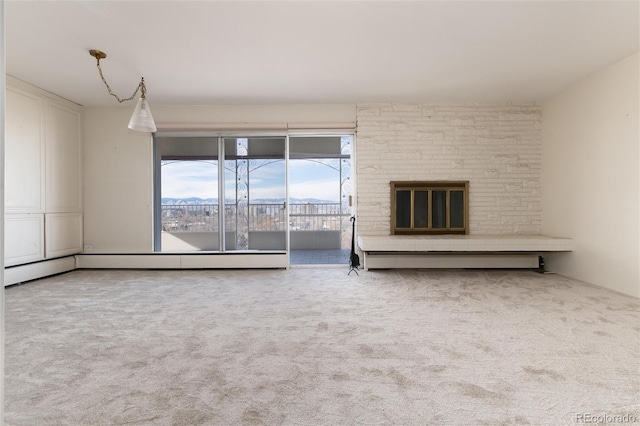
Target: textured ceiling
x,y
209,52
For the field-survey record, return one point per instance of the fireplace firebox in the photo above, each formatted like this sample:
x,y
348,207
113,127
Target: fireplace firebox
x,y
429,207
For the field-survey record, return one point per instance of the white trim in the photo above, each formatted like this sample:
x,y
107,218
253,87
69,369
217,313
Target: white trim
x,y
191,128
344,127
287,202
17,83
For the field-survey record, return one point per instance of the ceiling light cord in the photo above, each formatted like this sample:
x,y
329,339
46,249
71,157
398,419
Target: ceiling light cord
x,y
141,86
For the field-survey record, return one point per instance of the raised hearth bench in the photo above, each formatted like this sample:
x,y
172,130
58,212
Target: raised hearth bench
x,y
458,251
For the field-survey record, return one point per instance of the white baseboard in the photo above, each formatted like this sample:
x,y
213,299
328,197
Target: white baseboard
x,y
32,271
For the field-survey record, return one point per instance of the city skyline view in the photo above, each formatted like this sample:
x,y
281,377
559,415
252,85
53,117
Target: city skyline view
x,y
308,179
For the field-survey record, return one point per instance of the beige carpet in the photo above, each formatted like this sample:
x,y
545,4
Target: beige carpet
x,y
315,347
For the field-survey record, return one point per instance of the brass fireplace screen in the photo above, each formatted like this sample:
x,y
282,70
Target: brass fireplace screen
x,y
439,207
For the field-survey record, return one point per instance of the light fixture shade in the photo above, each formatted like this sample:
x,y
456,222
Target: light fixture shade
x,y
142,120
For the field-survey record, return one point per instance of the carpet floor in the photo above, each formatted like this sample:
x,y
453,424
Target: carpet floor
x,y
316,347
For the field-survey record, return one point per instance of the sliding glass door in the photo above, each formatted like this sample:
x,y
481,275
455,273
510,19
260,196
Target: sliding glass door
x,y
220,194
320,198
238,194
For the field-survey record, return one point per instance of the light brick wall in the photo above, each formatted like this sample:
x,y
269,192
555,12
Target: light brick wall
x,y
497,148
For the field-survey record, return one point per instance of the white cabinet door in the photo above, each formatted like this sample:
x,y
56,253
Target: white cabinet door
x,y
42,174
63,234
24,153
63,188
23,238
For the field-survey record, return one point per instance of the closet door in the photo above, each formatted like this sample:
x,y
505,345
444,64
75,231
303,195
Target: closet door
x,y
43,200
24,178
63,217
23,238
63,190
25,153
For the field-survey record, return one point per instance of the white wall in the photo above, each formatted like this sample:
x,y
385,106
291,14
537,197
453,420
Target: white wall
x,y
305,114
495,147
2,131
590,180
118,164
117,183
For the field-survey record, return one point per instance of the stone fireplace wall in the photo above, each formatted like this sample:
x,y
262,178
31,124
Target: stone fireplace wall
x,y
496,147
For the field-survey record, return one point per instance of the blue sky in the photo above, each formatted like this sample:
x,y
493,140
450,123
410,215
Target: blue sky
x,y
308,179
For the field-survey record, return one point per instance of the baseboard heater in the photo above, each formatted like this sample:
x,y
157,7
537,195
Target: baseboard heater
x,y
229,260
32,271
393,260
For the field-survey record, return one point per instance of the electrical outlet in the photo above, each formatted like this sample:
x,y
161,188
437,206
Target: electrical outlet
x,y
88,247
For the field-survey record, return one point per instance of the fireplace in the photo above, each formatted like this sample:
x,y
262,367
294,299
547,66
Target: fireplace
x,y
429,207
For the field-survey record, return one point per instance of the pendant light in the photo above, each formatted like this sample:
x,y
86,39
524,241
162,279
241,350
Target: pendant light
x,y
141,120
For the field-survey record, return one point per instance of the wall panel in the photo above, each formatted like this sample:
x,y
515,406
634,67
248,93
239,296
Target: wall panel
x,y
23,238
63,184
63,234
24,153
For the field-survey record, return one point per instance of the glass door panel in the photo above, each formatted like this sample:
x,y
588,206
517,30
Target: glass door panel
x,y
255,193
187,219
319,198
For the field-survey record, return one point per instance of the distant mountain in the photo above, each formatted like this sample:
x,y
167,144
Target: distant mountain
x,y
309,201
190,200
198,201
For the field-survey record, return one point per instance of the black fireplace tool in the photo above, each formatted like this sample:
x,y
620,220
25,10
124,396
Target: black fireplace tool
x,y
354,259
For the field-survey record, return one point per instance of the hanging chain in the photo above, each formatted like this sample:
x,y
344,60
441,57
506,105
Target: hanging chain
x,y
141,86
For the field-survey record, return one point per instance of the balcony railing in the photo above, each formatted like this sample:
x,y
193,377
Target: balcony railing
x,y
258,217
